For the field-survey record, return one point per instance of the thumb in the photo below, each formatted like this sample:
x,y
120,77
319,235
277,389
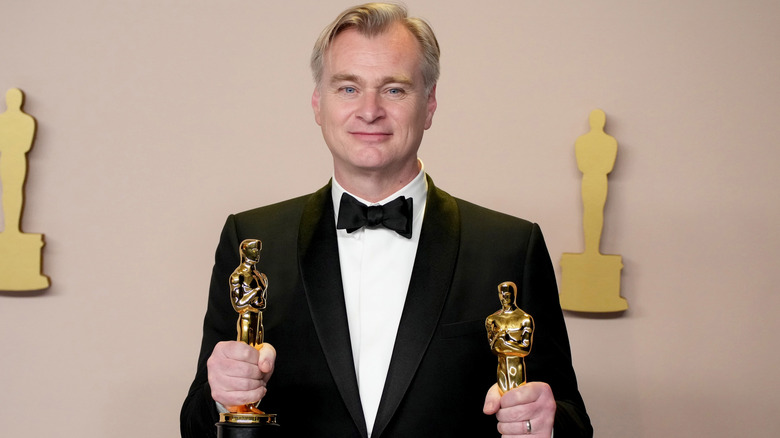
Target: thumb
x,y
266,359
492,400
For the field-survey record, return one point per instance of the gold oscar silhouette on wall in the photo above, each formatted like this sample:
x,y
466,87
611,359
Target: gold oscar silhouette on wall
x,y
20,253
590,281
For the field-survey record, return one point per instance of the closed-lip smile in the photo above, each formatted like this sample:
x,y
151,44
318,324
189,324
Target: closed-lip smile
x,y
366,135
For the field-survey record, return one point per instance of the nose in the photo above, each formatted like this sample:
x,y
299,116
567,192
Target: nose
x,y
370,107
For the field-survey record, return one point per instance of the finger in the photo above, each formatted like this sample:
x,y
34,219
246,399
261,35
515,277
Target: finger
x,y
266,359
237,351
220,366
533,402
238,369
523,394
238,384
230,391
538,426
515,414
517,429
232,398
492,400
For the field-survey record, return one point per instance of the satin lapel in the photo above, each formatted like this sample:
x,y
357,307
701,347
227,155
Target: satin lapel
x,y
318,258
431,279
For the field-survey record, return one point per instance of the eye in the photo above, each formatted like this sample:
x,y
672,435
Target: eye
x,y
349,90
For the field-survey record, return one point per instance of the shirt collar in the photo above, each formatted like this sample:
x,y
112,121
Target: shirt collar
x,y
417,189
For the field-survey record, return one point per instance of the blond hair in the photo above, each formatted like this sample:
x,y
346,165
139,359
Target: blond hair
x,y
373,19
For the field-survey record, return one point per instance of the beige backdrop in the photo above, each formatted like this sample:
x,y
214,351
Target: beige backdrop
x,y
157,118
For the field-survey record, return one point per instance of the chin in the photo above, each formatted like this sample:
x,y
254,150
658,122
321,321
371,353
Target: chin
x,y
370,159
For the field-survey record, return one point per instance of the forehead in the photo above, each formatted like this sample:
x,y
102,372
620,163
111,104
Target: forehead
x,y
395,47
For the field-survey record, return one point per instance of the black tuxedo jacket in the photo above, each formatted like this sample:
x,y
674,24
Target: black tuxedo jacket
x,y
441,367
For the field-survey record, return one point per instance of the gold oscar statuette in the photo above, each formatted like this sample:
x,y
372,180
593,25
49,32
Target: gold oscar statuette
x,y
510,332
248,293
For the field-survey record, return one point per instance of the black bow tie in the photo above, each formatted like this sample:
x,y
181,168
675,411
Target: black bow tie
x,y
396,215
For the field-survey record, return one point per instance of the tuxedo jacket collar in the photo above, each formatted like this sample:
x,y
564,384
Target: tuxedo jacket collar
x,y
434,265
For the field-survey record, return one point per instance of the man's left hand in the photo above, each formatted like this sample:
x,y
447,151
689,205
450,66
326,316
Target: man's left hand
x,y
532,402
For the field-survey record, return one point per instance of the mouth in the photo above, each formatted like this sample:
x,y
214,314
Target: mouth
x,y
371,136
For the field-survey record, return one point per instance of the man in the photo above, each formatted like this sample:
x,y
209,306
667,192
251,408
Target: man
x,y
380,332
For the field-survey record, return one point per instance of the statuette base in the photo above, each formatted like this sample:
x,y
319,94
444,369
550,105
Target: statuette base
x,y
591,283
247,425
20,262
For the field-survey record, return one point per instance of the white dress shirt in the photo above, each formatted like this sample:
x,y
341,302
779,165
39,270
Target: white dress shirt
x,y
376,266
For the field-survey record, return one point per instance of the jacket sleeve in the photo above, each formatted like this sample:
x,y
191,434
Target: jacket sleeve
x,y
199,412
550,359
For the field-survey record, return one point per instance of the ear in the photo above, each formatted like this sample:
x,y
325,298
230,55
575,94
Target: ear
x,y
431,107
315,104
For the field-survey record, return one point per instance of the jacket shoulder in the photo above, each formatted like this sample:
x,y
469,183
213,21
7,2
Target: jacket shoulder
x,y
484,218
289,205
281,215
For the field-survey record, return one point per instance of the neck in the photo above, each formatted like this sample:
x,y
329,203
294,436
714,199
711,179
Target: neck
x,y
376,186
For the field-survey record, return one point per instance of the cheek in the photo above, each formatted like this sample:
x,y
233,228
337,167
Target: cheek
x,y
420,117
334,115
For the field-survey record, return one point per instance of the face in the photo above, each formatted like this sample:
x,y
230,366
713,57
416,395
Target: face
x,y
507,297
372,105
252,252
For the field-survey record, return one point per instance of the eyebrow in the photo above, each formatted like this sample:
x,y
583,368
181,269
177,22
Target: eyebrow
x,y
347,77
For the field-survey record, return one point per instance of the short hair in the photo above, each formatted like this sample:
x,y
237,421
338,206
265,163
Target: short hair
x,y
373,19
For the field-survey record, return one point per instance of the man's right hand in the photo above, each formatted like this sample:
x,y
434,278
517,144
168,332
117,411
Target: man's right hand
x,y
238,373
